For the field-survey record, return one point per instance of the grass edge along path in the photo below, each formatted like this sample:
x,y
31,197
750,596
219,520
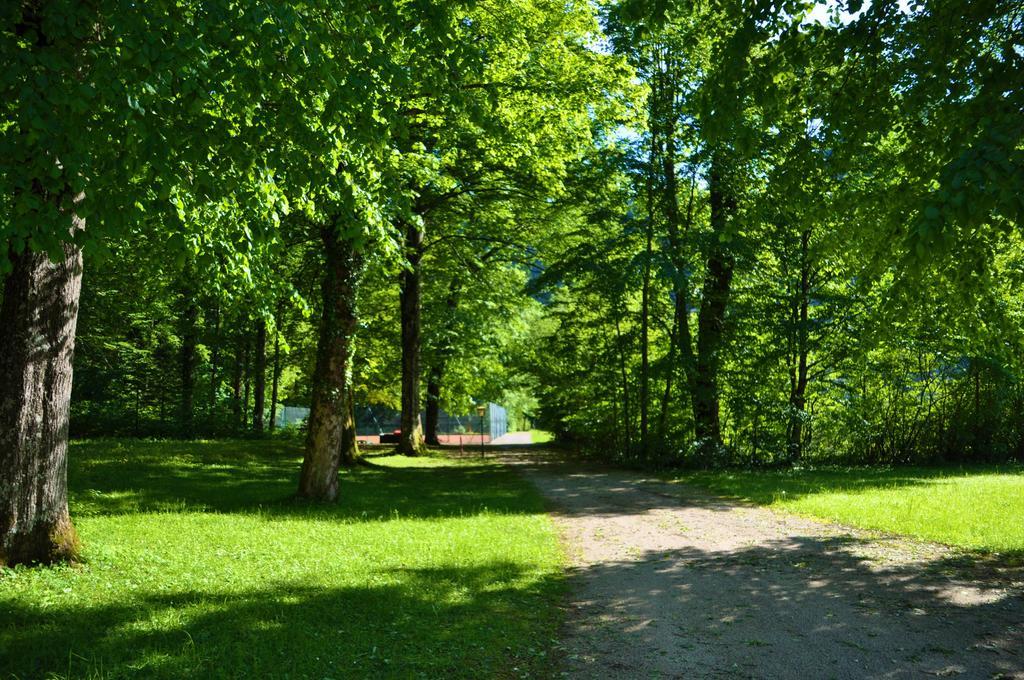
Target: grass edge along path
x,y
199,563
976,509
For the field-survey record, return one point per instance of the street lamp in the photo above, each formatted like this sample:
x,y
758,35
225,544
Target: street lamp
x,y
480,411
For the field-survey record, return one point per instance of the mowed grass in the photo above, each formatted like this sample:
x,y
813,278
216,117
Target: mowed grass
x,y
978,509
198,563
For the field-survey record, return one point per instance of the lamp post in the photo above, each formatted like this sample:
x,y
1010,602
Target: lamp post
x,y
481,410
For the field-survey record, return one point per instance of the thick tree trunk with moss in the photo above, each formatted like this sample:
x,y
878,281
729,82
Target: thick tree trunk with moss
x,y
260,382
37,341
411,441
711,317
319,479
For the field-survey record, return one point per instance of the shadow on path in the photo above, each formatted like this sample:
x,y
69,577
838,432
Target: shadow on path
x,y
669,581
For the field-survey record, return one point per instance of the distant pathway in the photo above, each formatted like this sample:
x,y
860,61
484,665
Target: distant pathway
x,y
671,582
512,439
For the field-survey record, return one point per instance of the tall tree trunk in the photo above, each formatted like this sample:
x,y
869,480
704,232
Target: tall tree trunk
x,y
682,338
645,293
656,112
711,317
189,342
677,235
437,370
276,379
38,317
798,374
411,442
349,442
260,382
434,402
319,478
37,342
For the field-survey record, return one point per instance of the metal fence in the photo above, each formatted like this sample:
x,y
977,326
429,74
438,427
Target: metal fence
x,y
373,421
291,415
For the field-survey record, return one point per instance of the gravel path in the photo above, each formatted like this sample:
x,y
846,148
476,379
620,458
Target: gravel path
x,y
671,582
513,438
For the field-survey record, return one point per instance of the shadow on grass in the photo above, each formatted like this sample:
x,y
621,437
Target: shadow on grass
x,y
127,477
800,607
805,606
443,622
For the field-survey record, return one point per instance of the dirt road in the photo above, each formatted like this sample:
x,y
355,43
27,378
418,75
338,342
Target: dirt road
x,y
671,582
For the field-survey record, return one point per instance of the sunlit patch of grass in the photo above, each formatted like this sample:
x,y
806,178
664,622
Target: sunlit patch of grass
x,y
541,436
199,563
976,508
434,458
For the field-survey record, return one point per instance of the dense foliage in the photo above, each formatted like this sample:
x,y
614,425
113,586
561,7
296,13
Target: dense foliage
x,y
670,231
866,269
850,332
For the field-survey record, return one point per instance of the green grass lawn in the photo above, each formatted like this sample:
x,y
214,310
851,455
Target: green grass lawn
x,y
541,436
976,508
198,563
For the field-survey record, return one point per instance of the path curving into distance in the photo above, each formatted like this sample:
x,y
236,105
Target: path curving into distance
x,y
668,581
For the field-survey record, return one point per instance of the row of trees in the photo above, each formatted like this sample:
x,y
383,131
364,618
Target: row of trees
x,y
698,232
157,357
247,167
809,250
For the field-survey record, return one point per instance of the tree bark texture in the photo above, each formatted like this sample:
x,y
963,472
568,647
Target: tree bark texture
x,y
37,341
319,478
411,442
